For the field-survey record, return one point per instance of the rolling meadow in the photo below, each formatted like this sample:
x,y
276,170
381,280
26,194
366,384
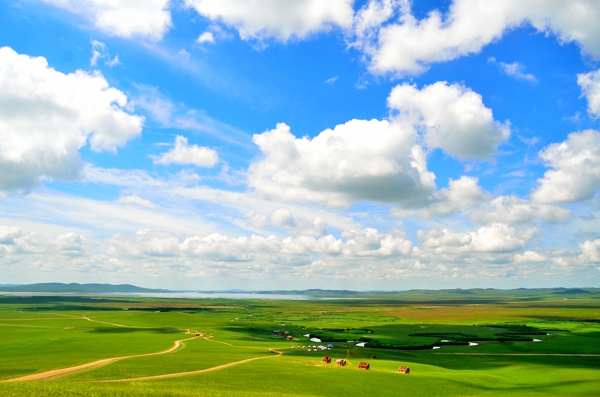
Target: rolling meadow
x,y
456,343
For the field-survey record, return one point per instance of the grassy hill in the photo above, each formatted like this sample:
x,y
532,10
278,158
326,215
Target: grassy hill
x,y
77,288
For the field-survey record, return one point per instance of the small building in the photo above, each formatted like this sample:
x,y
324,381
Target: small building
x,y
363,365
404,370
329,345
289,337
286,333
340,363
326,360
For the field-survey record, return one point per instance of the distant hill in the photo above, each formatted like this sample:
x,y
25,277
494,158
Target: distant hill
x,y
77,288
573,291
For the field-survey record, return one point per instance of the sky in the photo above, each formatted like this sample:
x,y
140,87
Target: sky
x,y
294,144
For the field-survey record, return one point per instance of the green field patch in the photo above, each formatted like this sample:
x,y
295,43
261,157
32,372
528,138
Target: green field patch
x,y
195,355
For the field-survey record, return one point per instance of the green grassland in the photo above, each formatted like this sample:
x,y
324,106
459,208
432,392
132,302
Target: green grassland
x,y
233,358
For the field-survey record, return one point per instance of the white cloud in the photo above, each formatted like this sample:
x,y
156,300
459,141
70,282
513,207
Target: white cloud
x,y
318,227
370,242
184,54
223,248
8,234
143,242
144,18
378,160
206,37
281,20
576,169
590,251
409,46
283,217
515,69
181,190
99,51
461,194
331,80
47,116
366,257
590,88
529,257
359,160
13,241
257,219
185,154
492,238
171,115
513,210
136,200
451,117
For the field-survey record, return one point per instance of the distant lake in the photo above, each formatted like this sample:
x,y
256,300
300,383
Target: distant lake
x,y
227,295
181,295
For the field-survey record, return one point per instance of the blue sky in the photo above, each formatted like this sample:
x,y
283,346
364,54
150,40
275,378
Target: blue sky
x,y
381,144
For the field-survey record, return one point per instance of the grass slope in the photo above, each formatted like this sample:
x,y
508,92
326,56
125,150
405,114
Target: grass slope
x,y
39,334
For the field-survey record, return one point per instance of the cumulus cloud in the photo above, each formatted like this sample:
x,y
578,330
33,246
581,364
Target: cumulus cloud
x,y
513,210
575,173
218,247
590,251
461,194
381,160
144,18
206,37
529,257
257,219
359,160
318,227
368,255
8,234
406,45
143,242
185,154
47,116
451,117
370,242
590,88
283,217
280,20
13,241
492,238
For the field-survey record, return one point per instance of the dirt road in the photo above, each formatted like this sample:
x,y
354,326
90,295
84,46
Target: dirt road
x,y
177,374
57,373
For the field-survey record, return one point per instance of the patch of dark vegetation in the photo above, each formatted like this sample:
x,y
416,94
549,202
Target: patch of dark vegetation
x,y
376,344
445,335
450,301
508,333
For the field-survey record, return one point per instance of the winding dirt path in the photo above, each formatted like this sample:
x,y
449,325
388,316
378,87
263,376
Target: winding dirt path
x,y
57,373
85,317
199,371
